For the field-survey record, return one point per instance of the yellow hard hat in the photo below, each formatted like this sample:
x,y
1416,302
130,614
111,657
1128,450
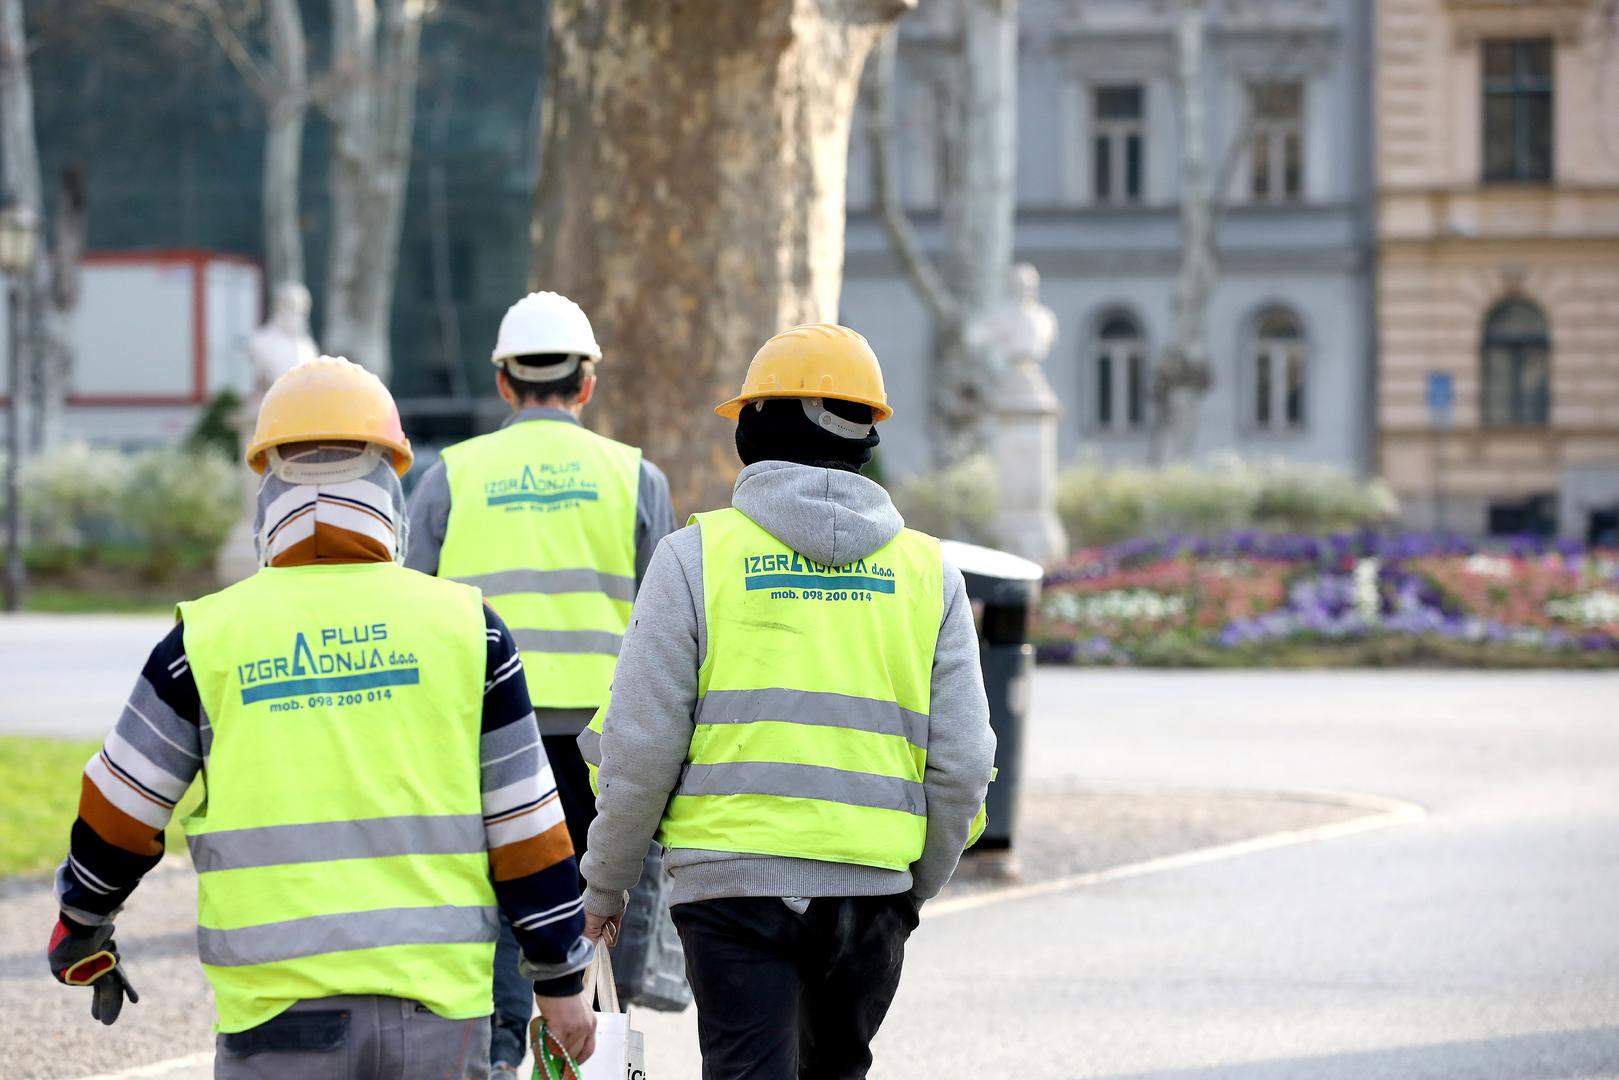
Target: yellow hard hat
x,y
328,398
821,360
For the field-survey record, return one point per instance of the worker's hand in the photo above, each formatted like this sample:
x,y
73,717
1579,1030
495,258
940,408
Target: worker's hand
x,y
87,956
571,1022
603,928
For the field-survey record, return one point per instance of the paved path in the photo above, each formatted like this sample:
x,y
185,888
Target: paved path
x,y
68,675
1479,943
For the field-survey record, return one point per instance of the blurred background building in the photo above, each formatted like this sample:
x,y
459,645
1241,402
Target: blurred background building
x,y
171,142
1467,249
1098,185
1498,227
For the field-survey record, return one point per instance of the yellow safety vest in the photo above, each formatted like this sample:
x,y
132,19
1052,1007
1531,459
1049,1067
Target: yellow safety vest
x,y
811,732
340,847
542,520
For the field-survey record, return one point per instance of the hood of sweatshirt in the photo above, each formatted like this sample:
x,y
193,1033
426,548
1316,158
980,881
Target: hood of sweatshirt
x,y
828,515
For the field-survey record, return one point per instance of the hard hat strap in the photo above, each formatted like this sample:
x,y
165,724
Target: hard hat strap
x,y
822,417
299,470
541,373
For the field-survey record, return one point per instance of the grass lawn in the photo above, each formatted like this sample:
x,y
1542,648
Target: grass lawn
x,y
56,601
39,796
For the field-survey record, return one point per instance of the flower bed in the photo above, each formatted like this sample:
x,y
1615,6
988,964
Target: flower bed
x,y
1254,598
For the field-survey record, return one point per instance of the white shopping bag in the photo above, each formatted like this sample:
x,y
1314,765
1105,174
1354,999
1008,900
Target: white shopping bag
x,y
618,1054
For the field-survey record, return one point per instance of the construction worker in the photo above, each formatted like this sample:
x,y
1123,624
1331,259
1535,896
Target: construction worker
x,y
374,784
556,525
799,716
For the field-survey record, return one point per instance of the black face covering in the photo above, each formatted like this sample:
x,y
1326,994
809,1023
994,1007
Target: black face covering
x,y
781,432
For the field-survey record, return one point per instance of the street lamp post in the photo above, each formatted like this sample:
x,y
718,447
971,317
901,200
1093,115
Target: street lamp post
x,y
18,233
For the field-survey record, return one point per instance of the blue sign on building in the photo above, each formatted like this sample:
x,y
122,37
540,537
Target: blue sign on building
x,y
1441,397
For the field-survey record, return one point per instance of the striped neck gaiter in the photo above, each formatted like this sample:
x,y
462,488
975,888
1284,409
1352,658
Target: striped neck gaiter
x,y
338,519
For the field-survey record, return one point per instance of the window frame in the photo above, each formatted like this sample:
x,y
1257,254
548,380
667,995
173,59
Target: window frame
x,y
1520,90
1279,366
1275,134
1524,411
1117,374
1118,134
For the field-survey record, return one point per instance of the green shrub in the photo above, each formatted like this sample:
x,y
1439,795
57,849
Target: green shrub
x,y
153,512
1101,504
181,504
71,499
957,503
1316,498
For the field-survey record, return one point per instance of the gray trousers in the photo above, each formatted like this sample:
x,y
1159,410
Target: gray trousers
x,y
356,1038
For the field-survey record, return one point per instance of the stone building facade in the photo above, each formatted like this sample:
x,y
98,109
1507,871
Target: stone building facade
x,y
1498,270
1289,137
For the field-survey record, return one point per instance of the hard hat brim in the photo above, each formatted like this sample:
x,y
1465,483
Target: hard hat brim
x,y
732,409
403,456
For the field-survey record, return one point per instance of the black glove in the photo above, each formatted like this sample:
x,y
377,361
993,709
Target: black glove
x,y
87,956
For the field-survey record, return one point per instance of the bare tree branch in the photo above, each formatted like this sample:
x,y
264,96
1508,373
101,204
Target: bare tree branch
x,y
230,40
879,80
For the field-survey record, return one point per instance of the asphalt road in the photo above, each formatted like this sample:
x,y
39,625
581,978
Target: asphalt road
x,y
1480,942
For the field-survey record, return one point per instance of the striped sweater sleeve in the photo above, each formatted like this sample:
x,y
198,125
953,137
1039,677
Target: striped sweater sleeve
x,y
531,857
131,785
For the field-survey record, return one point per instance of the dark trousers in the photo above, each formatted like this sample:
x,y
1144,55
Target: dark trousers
x,y
514,995
783,996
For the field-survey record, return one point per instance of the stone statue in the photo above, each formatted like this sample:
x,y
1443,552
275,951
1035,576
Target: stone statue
x,y
274,349
1021,327
282,343
1024,331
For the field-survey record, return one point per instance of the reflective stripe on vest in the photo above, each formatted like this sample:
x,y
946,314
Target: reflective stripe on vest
x,y
542,520
344,806
812,721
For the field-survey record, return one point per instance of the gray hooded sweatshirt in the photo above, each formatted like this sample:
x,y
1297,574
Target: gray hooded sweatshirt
x,y
834,518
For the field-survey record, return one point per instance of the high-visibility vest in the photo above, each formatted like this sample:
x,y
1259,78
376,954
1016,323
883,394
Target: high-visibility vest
x,y
811,732
542,520
340,848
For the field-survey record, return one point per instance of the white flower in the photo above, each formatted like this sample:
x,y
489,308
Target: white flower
x,y
1367,600
1119,604
1489,566
1592,608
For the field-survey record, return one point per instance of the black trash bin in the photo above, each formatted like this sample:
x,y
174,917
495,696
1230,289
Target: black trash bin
x,y
1003,588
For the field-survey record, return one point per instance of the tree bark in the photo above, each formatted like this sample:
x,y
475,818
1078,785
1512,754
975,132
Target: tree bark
x,y
286,105
1183,375
977,212
691,200
19,174
374,69
57,279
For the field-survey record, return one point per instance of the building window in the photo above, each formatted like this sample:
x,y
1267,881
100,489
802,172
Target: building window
x,y
1121,374
1516,358
1280,372
1116,147
1276,141
1517,110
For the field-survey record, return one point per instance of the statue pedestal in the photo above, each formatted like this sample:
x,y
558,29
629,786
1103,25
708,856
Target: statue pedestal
x,y
238,558
1026,465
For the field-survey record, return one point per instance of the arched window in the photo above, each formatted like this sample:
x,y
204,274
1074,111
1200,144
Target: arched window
x,y
1121,373
1280,371
1516,358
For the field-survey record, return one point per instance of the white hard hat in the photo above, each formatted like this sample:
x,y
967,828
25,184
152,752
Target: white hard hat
x,y
542,323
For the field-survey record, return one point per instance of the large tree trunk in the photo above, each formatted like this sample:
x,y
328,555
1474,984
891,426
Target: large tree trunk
x,y
57,279
977,208
50,287
286,104
374,65
691,199
19,160
1183,375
